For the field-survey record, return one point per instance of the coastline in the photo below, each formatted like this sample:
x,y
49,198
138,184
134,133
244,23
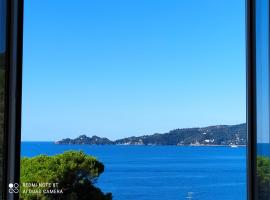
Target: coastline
x,y
191,145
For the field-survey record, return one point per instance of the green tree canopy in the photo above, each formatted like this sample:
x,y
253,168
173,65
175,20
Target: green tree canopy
x,y
263,176
73,171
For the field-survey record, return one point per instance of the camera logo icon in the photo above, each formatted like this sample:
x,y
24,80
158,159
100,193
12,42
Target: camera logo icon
x,y
13,188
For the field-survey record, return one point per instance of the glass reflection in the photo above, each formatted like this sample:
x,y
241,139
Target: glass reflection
x,y
262,75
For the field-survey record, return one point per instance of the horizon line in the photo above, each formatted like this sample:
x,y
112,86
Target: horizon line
x,y
133,135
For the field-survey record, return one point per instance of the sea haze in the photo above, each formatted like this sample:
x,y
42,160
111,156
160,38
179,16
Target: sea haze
x,y
162,172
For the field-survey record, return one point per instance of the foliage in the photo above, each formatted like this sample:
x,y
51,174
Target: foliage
x,y
74,171
263,176
212,135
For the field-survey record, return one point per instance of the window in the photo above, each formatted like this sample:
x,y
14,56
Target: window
x,y
100,75
263,99
261,148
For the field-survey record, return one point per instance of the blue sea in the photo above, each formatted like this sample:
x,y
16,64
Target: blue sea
x,y
162,172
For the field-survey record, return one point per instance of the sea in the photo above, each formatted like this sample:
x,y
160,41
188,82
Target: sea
x,y
162,172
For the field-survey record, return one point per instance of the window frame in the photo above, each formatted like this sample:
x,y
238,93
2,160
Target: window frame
x,y
13,88
252,114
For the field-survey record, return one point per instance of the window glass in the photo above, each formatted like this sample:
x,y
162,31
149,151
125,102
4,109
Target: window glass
x,y
154,90
262,89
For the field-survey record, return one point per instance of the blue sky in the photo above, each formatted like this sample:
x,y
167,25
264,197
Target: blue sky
x,y
262,50
117,68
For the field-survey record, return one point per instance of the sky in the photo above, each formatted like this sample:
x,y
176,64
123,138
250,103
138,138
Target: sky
x,y
262,62
118,68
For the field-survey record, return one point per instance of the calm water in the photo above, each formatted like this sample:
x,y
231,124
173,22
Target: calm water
x,y
163,172
263,149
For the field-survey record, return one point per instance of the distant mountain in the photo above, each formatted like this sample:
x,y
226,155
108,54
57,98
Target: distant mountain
x,y
83,139
211,135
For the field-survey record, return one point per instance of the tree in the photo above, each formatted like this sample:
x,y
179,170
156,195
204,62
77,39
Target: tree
x,y
73,171
263,177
